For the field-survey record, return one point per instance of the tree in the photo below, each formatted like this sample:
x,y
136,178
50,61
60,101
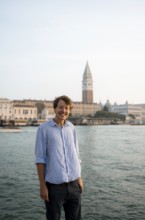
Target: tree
x,y
105,109
131,116
40,106
105,114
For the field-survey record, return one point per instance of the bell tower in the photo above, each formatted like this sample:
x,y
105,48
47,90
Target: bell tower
x,y
87,86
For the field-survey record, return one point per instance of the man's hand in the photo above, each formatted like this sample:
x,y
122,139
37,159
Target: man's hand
x,y
44,192
80,181
43,187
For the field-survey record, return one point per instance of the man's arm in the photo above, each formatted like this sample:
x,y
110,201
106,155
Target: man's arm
x,y
41,176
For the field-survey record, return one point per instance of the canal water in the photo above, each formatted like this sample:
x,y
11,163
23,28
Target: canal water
x,y
113,169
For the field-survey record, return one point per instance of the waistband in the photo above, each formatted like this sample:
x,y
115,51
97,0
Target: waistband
x,y
62,184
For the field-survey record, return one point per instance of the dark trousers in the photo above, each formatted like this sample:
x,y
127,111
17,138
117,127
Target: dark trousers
x,y
66,195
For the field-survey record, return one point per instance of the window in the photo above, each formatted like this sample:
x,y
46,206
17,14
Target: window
x,y
25,111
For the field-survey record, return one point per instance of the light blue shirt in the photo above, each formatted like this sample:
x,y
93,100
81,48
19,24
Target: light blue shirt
x,y
57,148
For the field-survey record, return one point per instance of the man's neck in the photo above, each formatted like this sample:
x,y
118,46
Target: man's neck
x,y
60,123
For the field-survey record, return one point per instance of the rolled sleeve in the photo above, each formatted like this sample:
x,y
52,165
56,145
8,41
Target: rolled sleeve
x,y
40,147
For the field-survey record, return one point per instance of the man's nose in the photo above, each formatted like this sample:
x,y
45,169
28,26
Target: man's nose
x,y
63,109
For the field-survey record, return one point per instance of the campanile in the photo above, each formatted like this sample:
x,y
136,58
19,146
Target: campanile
x,y
87,86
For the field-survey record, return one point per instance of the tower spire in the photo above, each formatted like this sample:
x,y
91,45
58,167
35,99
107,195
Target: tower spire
x,y
87,86
87,71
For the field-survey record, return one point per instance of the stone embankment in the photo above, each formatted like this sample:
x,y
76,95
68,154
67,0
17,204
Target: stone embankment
x,y
74,120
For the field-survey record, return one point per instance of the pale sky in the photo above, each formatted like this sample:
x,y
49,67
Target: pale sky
x,y
44,47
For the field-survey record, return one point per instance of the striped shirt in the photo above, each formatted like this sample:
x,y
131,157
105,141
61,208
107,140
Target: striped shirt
x,y
57,148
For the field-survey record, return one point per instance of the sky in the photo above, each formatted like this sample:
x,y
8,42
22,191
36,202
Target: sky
x,y
45,45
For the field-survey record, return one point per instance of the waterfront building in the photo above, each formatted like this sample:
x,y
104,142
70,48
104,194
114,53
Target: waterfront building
x,y
142,112
6,109
132,112
81,109
20,112
24,111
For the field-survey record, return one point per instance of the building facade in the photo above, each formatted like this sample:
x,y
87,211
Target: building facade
x,y
17,111
6,109
133,113
24,111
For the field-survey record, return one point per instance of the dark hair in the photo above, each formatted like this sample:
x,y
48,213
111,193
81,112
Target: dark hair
x,y
65,98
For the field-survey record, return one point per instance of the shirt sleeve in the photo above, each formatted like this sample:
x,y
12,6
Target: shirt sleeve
x,y
40,146
76,144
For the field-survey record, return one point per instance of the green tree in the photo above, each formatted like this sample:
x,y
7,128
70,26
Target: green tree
x,y
40,106
131,116
106,114
105,109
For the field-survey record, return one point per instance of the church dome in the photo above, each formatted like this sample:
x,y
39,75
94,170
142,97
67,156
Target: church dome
x,y
108,105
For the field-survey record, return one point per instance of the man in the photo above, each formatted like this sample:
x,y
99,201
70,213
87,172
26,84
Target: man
x,y
58,163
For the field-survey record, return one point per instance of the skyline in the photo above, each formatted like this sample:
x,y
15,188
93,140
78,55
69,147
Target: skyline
x,y
45,47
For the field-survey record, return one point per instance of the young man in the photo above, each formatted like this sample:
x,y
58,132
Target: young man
x,y
58,163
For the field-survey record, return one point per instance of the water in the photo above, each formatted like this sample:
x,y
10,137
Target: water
x,y
113,169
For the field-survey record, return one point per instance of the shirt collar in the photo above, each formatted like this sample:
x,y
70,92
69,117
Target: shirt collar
x,y
53,123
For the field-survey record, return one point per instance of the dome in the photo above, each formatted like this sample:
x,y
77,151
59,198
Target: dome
x,y
108,105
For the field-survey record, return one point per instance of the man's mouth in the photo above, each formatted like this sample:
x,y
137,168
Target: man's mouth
x,y
62,115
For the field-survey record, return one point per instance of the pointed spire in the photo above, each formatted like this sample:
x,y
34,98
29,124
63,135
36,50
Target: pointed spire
x,y
87,71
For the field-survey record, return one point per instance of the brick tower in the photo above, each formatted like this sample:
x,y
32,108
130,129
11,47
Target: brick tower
x,y
87,86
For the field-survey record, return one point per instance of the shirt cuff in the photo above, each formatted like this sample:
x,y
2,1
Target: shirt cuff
x,y
39,160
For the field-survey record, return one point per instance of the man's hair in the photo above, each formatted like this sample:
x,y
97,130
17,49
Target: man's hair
x,y
65,98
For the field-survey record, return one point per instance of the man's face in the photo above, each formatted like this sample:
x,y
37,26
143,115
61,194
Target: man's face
x,y
62,111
